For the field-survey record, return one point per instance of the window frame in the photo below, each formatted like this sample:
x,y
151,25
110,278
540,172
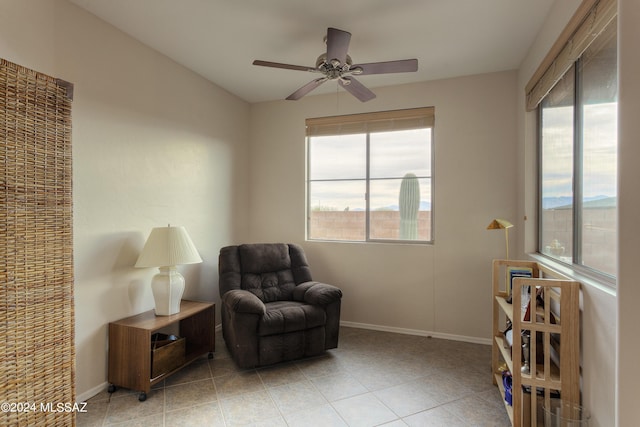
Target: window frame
x,y
577,260
377,117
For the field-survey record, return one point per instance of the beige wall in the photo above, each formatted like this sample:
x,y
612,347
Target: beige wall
x,y
442,289
153,144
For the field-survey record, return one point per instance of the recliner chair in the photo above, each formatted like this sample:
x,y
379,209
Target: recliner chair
x,y
272,311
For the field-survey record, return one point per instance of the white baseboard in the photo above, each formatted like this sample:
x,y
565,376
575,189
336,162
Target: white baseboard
x,y
418,332
83,397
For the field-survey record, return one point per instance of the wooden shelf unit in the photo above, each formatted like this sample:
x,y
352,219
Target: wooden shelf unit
x,y
130,343
556,326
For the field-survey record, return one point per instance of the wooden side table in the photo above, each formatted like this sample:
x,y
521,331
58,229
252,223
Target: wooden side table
x,y
130,344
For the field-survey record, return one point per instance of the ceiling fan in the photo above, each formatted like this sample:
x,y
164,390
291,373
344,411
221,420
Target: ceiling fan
x,y
335,64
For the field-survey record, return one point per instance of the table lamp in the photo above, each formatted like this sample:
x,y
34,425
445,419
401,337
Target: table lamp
x,y
501,224
166,248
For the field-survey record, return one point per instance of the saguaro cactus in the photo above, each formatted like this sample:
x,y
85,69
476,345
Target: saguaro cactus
x,y
409,207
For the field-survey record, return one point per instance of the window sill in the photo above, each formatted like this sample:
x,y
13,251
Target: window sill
x,y
581,275
375,242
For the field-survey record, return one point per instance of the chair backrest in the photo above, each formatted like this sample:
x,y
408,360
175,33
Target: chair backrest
x,y
269,270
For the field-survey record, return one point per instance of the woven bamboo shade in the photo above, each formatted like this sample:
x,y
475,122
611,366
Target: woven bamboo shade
x,y
591,19
37,354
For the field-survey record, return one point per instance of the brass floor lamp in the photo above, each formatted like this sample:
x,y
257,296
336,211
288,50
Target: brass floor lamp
x,y
501,224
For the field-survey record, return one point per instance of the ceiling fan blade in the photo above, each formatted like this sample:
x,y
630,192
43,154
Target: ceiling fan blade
x,y
357,89
285,66
306,89
403,66
337,44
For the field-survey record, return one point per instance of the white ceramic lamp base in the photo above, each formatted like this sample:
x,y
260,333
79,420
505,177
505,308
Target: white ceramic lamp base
x,y
167,287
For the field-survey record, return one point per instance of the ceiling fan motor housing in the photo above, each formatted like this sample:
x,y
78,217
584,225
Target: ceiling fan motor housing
x,y
334,69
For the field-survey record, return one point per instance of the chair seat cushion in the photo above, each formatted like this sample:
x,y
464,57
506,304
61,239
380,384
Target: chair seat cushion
x,y
290,316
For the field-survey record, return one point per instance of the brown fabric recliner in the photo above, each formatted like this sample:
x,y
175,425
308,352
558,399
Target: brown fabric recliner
x,y
272,311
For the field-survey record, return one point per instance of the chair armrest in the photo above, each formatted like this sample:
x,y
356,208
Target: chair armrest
x,y
241,301
316,293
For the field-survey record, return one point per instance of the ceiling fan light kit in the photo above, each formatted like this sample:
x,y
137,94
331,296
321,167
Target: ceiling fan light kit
x,y
336,64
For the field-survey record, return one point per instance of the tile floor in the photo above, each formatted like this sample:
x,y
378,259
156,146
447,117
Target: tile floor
x,y
373,378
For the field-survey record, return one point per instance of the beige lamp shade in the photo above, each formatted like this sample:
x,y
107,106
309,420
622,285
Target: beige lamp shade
x,y
168,246
499,224
165,248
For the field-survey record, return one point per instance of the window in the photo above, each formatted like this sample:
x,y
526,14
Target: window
x,y
369,176
578,160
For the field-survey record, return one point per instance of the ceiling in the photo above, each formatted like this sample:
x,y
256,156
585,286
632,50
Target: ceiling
x,y
219,39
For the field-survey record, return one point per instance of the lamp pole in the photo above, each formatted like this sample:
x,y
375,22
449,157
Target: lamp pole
x,y
506,238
